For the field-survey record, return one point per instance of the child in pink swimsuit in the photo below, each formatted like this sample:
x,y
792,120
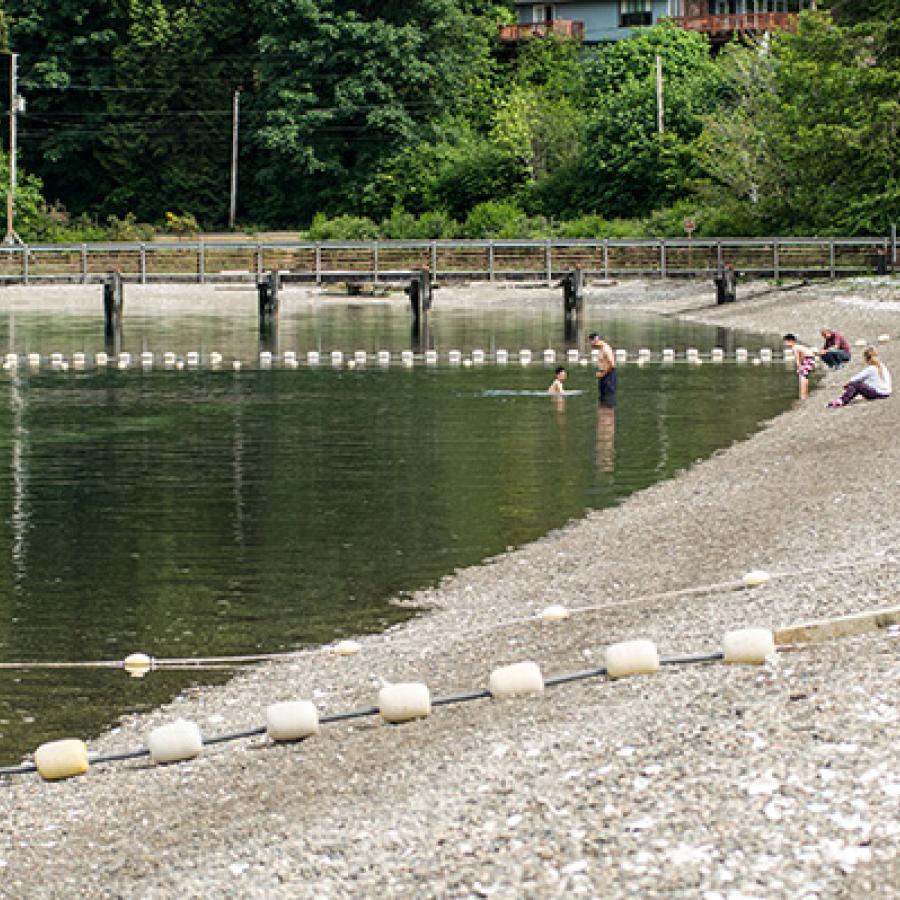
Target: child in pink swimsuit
x,y
805,359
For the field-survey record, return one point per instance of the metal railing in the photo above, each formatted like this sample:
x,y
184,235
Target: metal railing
x,y
448,260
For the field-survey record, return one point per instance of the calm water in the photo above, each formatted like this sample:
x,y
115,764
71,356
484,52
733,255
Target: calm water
x,y
197,514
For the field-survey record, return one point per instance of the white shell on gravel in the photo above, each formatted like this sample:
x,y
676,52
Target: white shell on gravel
x,y
346,648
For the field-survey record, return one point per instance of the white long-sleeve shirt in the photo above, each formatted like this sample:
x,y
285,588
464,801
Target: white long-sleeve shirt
x,y
879,381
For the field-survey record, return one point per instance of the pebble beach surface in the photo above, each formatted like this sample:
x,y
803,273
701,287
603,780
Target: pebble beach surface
x,y
707,781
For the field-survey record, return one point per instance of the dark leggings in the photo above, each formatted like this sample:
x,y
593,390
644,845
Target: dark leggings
x,y
864,390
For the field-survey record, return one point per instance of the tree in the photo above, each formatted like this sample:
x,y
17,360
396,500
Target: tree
x,y
810,141
166,136
345,86
65,49
630,169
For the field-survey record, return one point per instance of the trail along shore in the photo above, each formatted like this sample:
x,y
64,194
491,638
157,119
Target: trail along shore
x,y
707,781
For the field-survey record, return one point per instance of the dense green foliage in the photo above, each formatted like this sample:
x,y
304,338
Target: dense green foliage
x,y
412,120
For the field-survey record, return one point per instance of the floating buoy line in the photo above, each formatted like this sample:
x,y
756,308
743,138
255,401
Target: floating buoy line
x,y
295,720
290,359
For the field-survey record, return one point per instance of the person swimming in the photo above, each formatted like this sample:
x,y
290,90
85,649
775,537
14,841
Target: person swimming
x,y
559,384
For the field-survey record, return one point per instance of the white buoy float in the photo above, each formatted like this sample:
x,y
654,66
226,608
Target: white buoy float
x,y
168,359
404,702
265,359
756,578
56,360
467,363
61,759
478,357
741,355
236,365
883,338
101,359
860,342
668,355
337,358
78,360
137,665
407,357
717,354
384,357
431,357
215,359
748,646
192,358
621,356
788,356
572,355
516,680
12,360
631,658
549,355
175,742
502,357
147,359
454,357
765,354
292,720
351,363
554,613
644,353
312,357
34,360
360,357
525,357
346,648
124,360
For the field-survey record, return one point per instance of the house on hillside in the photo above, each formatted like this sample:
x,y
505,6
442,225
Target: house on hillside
x,y
599,21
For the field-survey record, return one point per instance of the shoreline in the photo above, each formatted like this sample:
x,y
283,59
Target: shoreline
x,y
647,785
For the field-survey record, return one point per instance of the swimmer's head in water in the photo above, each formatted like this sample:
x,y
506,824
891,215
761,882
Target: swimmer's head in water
x,y
561,373
595,338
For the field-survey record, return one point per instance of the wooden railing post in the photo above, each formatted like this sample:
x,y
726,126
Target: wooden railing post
x,y
84,264
606,259
662,259
318,263
201,262
831,266
776,260
491,261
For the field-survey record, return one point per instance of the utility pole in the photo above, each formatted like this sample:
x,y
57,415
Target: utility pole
x,y
235,117
660,114
16,105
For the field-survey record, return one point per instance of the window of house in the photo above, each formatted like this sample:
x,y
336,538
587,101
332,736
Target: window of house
x,y
542,12
635,12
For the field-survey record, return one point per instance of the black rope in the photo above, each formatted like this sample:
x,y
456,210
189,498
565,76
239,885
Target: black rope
x,y
27,768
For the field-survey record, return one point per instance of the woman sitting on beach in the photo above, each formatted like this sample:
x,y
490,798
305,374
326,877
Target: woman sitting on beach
x,y
873,383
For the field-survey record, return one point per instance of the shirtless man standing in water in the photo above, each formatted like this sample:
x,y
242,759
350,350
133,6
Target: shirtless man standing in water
x,y
606,371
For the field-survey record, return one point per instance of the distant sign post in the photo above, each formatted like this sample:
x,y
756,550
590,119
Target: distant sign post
x,y
689,226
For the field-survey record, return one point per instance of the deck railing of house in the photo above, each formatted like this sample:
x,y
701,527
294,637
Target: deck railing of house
x,y
728,24
563,28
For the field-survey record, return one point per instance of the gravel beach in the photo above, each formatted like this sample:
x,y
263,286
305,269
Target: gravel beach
x,y
705,781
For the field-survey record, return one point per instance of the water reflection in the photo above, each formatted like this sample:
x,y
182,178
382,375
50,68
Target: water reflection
x,y
206,513
606,438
